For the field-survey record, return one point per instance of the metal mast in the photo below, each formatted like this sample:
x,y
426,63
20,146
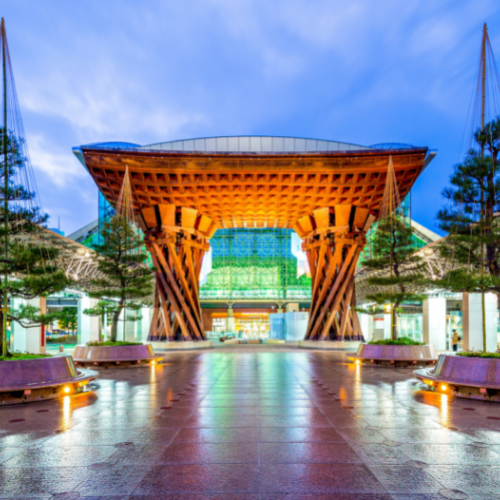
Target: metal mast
x,y
483,88
6,186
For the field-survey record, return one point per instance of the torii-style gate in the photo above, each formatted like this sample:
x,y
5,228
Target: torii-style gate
x,y
330,198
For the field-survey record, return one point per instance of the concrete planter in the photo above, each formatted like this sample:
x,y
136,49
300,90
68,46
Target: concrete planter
x,y
182,346
38,379
123,356
396,355
473,378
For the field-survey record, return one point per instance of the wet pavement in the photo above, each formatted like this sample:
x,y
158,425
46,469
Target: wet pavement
x,y
248,423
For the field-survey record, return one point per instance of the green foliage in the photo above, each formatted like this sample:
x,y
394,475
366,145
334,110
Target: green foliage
x,y
395,256
110,307
28,315
68,318
16,356
471,217
109,343
27,270
127,279
372,311
479,354
399,341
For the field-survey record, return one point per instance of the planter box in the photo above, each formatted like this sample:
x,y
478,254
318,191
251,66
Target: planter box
x,y
468,377
182,345
396,355
123,356
28,380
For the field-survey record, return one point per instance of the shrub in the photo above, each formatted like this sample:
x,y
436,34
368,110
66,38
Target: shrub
x,y
479,354
17,356
108,343
399,341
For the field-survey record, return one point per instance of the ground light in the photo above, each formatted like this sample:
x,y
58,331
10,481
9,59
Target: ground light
x,y
67,389
444,387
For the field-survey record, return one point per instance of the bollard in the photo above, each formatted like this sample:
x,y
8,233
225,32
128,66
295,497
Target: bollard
x,y
61,348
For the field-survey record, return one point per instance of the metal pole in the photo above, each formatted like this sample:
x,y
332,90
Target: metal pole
x,y
483,57
5,200
389,173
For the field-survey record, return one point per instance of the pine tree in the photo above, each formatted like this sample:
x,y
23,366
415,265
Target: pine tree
x,y
27,270
68,319
397,268
127,280
472,246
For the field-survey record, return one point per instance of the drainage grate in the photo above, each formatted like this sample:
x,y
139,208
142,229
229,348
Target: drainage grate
x,y
453,494
417,464
69,495
125,443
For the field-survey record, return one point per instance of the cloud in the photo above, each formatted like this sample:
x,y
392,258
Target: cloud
x,y
48,160
360,71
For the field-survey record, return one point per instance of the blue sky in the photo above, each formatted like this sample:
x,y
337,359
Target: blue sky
x,y
359,71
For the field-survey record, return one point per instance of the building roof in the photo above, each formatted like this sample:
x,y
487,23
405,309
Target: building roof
x,y
253,143
74,259
85,232
252,181
424,234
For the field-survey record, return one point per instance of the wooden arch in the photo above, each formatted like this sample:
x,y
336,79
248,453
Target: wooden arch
x,y
330,199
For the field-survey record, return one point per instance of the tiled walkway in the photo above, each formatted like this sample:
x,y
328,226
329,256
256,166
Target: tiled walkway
x,y
250,423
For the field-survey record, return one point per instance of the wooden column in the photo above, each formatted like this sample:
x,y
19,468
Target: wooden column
x,y
177,238
333,239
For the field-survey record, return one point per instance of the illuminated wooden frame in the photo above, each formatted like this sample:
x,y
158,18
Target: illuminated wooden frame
x,y
329,198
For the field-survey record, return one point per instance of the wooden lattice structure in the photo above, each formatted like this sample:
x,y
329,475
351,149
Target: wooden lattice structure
x,y
329,198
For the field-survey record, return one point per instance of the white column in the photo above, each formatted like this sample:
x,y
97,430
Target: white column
x,y
473,322
296,325
145,324
434,322
131,326
387,326
366,322
379,331
32,339
89,327
230,320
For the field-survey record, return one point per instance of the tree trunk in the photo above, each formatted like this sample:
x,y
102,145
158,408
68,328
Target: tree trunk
x,y
394,323
3,351
114,324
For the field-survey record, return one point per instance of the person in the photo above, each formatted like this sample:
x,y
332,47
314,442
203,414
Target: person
x,y
455,340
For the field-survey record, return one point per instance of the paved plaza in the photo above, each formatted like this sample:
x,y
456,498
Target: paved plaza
x,y
252,422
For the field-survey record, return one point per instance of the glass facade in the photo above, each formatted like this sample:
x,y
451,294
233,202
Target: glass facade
x,y
106,211
254,264
411,325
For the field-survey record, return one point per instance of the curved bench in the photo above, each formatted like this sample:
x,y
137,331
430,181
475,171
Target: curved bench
x,y
467,377
329,345
120,356
396,355
28,380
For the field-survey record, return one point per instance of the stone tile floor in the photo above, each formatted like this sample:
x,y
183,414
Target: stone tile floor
x,y
249,423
